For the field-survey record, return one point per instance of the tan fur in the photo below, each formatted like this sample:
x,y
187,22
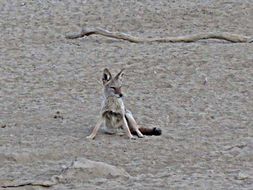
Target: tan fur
x,y
114,114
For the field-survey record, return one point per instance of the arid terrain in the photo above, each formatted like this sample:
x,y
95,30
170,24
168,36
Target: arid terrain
x,y
199,94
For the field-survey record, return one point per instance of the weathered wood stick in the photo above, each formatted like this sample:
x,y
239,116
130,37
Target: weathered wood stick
x,y
235,38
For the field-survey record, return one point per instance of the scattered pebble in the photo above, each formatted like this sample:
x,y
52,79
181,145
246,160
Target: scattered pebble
x,y
205,81
242,176
58,115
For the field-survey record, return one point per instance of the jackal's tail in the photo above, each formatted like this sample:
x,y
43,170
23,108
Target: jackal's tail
x,y
148,131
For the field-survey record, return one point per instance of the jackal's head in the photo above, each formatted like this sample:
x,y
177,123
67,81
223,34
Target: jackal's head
x,y
112,85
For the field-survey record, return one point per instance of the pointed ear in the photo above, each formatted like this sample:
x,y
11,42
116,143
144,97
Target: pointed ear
x,y
106,76
120,74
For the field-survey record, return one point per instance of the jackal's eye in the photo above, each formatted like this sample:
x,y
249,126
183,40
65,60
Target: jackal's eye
x,y
113,88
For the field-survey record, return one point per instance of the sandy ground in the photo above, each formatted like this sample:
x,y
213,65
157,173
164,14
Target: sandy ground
x,y
207,140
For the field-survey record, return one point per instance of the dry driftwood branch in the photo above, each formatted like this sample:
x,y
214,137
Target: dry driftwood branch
x,y
235,38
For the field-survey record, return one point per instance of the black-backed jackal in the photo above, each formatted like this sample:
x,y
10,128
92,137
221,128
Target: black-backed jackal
x,y
114,115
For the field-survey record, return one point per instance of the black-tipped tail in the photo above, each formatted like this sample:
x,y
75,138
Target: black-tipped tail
x,y
149,131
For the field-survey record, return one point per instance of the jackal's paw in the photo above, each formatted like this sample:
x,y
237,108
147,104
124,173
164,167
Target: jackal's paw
x,y
157,131
90,137
132,137
140,135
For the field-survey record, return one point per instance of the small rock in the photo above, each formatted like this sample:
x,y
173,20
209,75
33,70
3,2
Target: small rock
x,y
58,115
100,168
242,176
205,81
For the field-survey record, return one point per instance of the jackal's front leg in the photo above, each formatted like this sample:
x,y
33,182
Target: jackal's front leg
x,y
95,130
126,127
133,124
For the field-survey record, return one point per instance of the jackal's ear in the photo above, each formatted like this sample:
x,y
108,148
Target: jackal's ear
x,y
120,74
106,76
